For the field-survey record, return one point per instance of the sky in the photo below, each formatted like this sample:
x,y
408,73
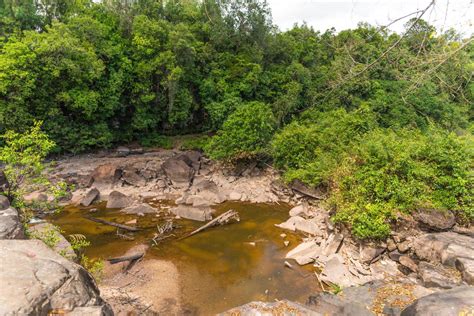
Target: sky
x,y
344,14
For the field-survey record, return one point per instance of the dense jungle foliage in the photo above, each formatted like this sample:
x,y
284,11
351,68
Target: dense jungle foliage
x,y
381,121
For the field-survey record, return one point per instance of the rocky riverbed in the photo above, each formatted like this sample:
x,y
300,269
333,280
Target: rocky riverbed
x,y
426,265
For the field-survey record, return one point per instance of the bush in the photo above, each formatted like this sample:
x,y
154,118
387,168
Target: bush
x,y
399,171
245,133
195,143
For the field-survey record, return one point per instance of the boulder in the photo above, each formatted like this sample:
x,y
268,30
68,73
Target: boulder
x,y
91,196
235,196
408,263
35,197
305,253
437,276
309,226
436,220
370,252
106,175
117,199
372,298
281,307
302,188
332,244
204,185
337,272
10,225
4,202
178,171
142,208
194,213
453,302
133,178
194,157
35,281
52,233
300,210
450,249
404,246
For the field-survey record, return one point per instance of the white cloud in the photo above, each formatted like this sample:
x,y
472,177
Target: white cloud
x,y
343,14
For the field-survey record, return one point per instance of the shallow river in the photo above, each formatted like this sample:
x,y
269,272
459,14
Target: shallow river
x,y
220,268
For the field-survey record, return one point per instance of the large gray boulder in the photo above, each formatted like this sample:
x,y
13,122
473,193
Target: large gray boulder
x,y
435,220
35,280
117,199
91,195
282,307
194,213
3,182
106,175
450,249
4,202
10,225
454,302
179,170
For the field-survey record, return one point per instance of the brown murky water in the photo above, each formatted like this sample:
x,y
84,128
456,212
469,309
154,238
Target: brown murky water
x,y
219,268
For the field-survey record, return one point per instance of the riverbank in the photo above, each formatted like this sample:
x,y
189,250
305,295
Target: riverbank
x,y
425,253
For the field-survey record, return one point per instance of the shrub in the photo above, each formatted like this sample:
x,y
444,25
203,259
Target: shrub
x,y
245,133
156,140
398,171
195,143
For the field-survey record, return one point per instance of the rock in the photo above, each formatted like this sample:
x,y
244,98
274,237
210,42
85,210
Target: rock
x,y
35,197
469,231
133,178
106,175
299,210
235,196
35,280
194,213
404,246
453,302
282,307
308,226
302,188
205,185
178,171
466,267
450,249
142,208
10,225
118,200
131,222
332,244
336,271
4,202
137,150
4,185
395,255
437,276
391,246
372,298
194,157
161,184
122,151
369,253
47,231
286,243
407,262
436,220
90,197
304,253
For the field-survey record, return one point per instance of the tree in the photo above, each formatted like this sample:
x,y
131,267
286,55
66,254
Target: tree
x,y
23,157
245,134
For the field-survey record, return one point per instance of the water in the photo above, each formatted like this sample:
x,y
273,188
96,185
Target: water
x,y
219,268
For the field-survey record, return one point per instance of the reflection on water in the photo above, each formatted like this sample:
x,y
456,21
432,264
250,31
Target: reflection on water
x,y
219,268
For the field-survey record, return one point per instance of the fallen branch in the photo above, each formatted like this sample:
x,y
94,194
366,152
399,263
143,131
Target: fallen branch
x,y
219,220
126,258
102,221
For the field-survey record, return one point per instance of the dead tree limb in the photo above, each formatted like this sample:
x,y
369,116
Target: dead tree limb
x,y
126,258
219,220
103,221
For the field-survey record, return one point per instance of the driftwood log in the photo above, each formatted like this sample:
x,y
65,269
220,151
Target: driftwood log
x,y
126,258
219,220
121,226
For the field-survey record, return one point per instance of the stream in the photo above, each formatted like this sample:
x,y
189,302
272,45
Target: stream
x,y
219,268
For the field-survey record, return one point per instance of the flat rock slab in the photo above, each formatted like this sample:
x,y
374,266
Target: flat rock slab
x,y
10,225
305,253
283,308
142,208
201,214
35,280
438,276
450,249
454,302
298,223
436,220
51,232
